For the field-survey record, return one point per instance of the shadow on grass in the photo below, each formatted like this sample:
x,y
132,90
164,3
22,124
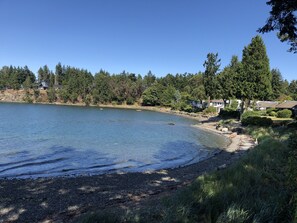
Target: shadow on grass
x,y
258,188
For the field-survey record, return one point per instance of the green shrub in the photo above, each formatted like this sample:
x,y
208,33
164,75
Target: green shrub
x,y
273,113
87,99
27,98
210,110
233,214
251,113
64,95
229,113
130,101
182,106
256,120
36,93
286,113
51,95
234,104
270,110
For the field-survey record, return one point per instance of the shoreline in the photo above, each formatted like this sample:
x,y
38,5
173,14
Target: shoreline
x,y
52,199
136,107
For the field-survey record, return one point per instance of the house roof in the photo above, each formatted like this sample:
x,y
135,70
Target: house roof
x,y
287,104
217,100
267,104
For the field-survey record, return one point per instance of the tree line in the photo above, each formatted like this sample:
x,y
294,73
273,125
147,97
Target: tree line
x,y
248,79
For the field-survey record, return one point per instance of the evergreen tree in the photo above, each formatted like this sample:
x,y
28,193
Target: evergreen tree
x,y
212,65
59,74
27,83
256,77
276,84
293,89
283,18
44,74
228,80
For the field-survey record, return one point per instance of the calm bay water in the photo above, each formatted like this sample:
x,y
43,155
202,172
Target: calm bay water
x,y
49,140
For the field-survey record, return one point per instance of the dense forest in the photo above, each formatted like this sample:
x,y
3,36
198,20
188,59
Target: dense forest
x,y
248,79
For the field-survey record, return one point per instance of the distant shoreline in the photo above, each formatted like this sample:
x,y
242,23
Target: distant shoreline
x,y
194,116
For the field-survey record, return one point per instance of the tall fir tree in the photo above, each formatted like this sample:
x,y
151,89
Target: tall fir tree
x,y
228,80
276,84
212,66
256,76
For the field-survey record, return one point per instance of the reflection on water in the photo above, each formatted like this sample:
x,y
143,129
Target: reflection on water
x,y
45,140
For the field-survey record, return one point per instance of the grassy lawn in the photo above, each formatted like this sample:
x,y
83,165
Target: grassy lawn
x,y
281,119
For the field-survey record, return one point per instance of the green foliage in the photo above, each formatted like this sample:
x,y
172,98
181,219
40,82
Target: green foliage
x,y
256,120
256,77
167,97
234,104
252,190
44,74
270,110
151,96
212,65
130,101
229,113
228,84
73,97
36,93
51,95
250,113
13,77
27,98
183,106
284,20
273,113
87,100
27,83
286,113
233,214
210,110
276,84
292,89
63,94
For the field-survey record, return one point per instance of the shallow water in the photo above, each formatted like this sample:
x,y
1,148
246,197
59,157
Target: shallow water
x,y
50,140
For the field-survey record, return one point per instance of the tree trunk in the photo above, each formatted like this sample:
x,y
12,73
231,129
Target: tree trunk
x,y
242,106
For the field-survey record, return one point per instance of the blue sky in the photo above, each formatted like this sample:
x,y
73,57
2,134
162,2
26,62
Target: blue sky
x,y
164,36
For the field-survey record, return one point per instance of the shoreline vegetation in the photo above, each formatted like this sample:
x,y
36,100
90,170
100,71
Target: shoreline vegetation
x,y
23,198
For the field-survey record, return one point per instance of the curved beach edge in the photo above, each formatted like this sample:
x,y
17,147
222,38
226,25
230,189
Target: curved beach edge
x,y
65,198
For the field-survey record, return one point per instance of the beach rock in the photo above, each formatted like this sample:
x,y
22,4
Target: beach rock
x,y
238,130
224,130
222,167
233,135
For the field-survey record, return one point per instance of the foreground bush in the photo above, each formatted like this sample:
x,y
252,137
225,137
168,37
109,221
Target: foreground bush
x,y
271,111
286,113
256,120
229,113
210,110
259,188
251,113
